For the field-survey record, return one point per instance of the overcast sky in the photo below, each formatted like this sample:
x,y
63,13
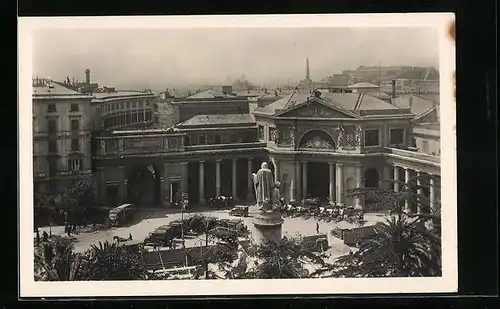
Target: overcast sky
x,y
175,57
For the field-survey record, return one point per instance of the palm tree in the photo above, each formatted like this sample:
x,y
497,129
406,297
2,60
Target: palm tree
x,y
282,259
403,246
57,262
400,248
110,261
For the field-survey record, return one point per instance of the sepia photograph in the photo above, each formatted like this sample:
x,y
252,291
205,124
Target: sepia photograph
x,y
237,155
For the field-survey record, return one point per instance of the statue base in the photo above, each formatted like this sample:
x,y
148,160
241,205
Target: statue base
x,y
268,226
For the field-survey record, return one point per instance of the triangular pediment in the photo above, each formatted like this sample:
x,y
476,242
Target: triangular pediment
x,y
315,109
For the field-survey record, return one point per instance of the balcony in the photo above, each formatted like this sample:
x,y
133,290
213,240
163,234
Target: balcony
x,y
74,173
251,145
395,152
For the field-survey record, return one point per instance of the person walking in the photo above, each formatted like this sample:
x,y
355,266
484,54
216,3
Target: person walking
x,y
317,227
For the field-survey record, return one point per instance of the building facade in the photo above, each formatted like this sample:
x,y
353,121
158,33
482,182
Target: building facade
x,y
318,145
61,135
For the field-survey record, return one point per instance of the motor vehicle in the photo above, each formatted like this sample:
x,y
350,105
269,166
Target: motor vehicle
x,y
120,214
239,211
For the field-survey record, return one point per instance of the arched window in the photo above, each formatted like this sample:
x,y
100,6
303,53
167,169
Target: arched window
x,y
317,139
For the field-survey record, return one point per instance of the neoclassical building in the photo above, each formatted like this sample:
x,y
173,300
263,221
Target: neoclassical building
x,y
317,144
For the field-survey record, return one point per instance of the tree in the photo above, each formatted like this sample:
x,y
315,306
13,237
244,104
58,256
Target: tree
x,y
282,259
403,245
77,199
57,262
110,261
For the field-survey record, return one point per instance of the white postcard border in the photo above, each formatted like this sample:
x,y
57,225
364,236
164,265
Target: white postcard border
x,y
447,283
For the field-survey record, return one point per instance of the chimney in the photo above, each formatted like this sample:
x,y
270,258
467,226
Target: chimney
x,y
87,76
393,88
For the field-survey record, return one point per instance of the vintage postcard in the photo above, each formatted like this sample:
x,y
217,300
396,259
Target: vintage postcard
x,y
237,155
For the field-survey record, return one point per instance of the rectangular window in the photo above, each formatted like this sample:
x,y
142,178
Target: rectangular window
x,y
127,105
217,139
133,104
74,107
148,103
75,144
141,117
141,104
75,125
148,116
52,146
397,136
51,108
121,105
52,126
371,137
201,139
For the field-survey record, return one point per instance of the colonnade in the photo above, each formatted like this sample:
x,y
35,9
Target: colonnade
x,y
335,182
234,177
418,182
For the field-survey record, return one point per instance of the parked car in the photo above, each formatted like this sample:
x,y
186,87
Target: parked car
x,y
239,211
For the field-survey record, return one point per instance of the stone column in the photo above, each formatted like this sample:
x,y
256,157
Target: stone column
x,y
276,171
340,184
432,192
331,188
184,183
407,179
396,178
250,181
217,177
419,193
359,184
234,184
387,176
162,190
297,180
201,183
166,186
304,179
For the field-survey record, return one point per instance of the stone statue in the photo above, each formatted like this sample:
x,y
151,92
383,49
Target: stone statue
x,y
340,135
276,197
292,135
103,146
263,184
357,134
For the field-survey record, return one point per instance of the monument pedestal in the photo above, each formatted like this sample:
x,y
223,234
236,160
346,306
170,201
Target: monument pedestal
x,y
268,226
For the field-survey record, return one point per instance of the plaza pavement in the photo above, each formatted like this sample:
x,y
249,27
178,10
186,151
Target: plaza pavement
x,y
291,227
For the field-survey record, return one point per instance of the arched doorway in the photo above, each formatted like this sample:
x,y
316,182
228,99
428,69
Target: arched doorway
x,y
371,178
144,185
317,139
318,178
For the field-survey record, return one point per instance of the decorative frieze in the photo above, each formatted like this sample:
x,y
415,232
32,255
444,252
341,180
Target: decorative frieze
x,y
286,137
348,138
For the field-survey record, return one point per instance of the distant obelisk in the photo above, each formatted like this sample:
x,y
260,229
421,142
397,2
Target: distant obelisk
x,y
308,77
